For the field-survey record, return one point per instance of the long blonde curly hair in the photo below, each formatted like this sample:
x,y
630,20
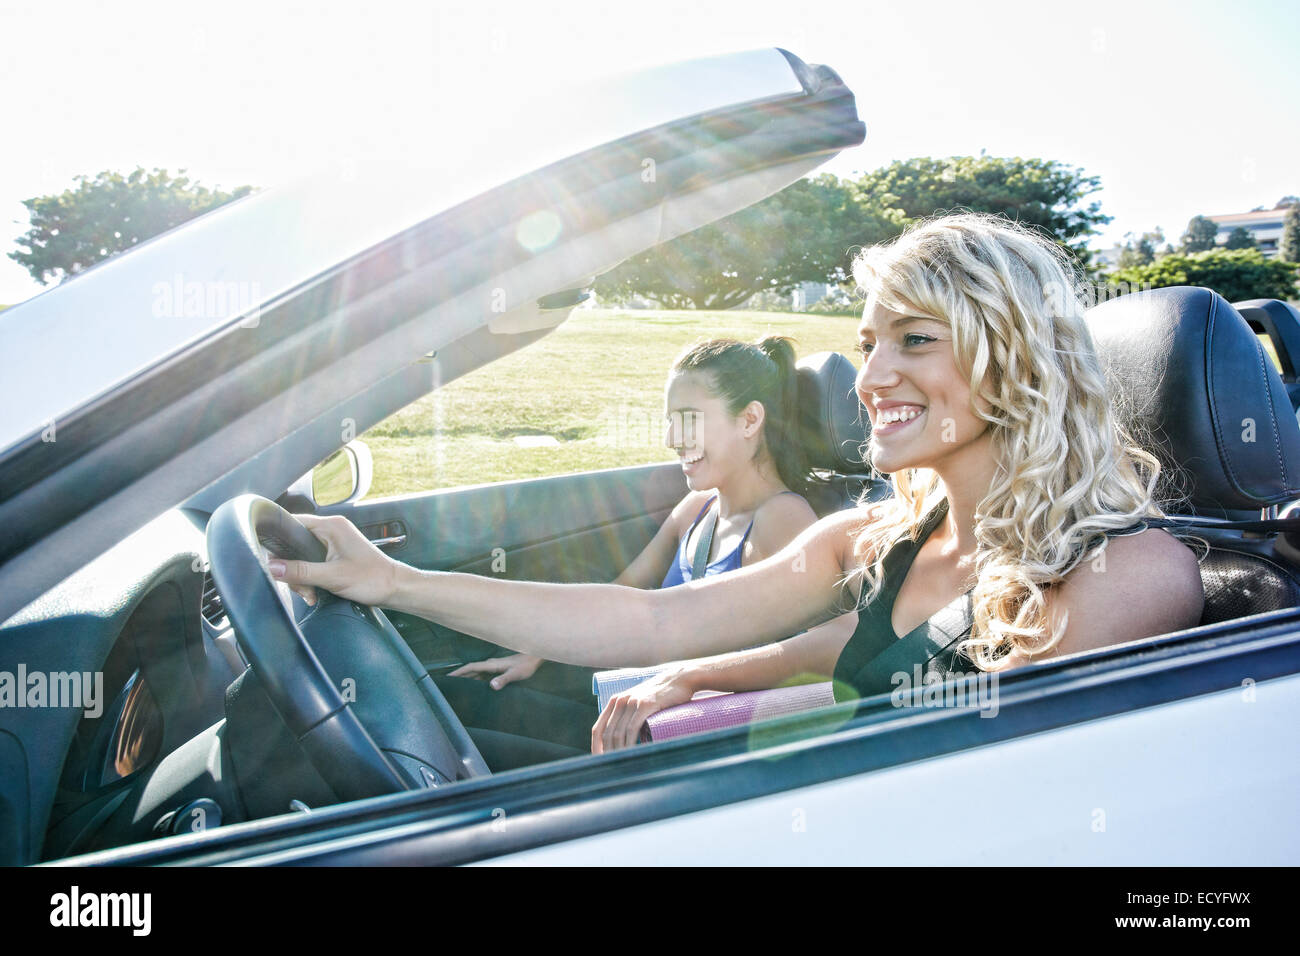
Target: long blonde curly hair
x,y
1067,471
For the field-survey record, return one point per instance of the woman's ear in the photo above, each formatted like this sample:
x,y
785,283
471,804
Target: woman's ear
x,y
752,417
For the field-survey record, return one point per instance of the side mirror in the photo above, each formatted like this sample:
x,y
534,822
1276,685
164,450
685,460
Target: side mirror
x,y
344,476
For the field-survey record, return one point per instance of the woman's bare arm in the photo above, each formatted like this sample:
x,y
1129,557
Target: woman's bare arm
x,y
646,571
811,654
775,524
596,625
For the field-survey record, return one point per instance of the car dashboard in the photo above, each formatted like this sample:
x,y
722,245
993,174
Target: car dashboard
x,y
132,671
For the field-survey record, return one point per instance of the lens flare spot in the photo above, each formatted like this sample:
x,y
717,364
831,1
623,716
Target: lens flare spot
x,y
538,230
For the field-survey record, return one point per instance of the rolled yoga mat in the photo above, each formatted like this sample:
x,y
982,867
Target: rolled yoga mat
x,y
730,710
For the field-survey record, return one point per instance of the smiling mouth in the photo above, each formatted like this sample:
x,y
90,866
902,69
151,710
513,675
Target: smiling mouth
x,y
691,460
895,419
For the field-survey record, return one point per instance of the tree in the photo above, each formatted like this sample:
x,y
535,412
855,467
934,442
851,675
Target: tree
x,y
1240,238
1200,235
808,232
1143,251
108,214
1289,247
1286,201
1235,274
1037,192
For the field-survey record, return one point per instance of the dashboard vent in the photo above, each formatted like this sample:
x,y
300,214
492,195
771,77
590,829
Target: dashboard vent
x,y
213,611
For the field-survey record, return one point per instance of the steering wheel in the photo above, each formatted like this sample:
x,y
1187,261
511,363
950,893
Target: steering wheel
x,y
366,713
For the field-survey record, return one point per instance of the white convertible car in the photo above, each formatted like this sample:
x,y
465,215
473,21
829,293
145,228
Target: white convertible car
x,y
161,702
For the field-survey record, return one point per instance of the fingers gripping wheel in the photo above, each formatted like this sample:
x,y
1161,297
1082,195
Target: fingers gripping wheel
x,y
394,730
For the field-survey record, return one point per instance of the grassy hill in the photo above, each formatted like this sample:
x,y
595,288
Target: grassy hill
x,y
587,396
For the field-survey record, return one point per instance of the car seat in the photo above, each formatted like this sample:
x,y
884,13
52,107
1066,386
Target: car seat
x,y
834,429
1192,384
1281,323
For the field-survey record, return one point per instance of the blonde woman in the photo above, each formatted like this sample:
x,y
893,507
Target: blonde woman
x,y
1011,477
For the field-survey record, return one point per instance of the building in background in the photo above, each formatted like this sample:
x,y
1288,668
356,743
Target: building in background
x,y
806,294
1265,226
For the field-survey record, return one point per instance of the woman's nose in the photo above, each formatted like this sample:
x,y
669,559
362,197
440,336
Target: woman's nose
x,y
878,371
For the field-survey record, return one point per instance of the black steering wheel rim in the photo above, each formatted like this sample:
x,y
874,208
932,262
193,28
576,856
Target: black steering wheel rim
x,y
341,748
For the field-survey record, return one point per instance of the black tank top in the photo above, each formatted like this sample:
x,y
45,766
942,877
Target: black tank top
x,y
874,654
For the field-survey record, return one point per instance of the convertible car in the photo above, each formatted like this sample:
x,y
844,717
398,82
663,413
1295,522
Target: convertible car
x,y
163,701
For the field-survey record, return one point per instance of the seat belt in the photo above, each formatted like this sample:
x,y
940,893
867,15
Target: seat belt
x,y
704,545
926,642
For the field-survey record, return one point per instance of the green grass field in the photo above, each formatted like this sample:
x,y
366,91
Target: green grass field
x,y
592,390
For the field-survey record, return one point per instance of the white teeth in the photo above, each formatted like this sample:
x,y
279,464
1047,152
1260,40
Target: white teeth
x,y
693,460
889,416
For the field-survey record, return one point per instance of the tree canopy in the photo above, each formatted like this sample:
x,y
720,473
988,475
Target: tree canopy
x,y
1240,238
1289,247
1235,274
1044,193
1143,251
1199,236
107,214
810,231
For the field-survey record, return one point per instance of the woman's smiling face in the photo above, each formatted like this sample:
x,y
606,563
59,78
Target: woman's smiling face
x,y
711,443
917,399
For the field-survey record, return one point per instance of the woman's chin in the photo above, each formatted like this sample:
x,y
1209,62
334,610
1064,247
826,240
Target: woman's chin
x,y
882,461
887,463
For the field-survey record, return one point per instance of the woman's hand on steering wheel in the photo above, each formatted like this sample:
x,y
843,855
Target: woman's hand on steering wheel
x,y
620,723
508,669
353,569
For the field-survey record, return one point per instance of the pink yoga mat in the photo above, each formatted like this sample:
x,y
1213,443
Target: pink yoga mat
x,y
731,710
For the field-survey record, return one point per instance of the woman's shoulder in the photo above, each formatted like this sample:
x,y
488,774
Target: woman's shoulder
x,y
785,505
840,530
779,520
1155,551
1140,585
688,509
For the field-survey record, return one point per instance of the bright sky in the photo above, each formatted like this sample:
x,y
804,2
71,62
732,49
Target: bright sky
x,y
1180,107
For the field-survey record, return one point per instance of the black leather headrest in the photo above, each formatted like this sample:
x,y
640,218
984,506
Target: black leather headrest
x,y
1281,323
1192,384
833,422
